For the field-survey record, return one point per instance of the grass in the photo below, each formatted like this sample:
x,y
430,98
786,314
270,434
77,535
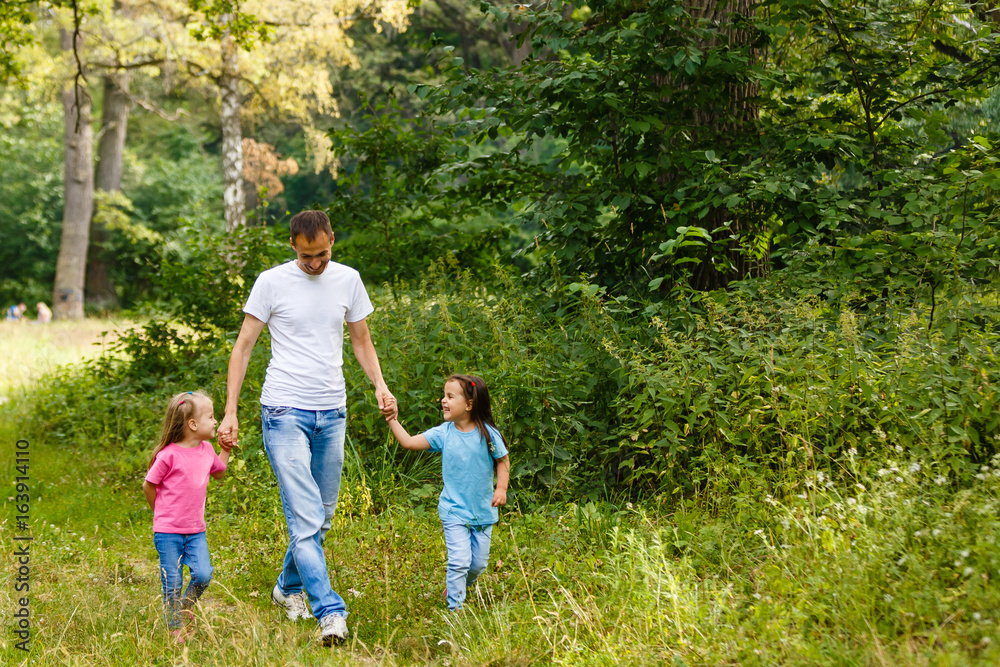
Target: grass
x,y
32,349
896,569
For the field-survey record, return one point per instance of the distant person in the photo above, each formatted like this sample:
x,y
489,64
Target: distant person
x,y
176,487
471,447
305,304
44,313
16,313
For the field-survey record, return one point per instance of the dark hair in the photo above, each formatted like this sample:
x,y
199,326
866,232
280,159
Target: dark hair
x,y
481,414
310,224
180,409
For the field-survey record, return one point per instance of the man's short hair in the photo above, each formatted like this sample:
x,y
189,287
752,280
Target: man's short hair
x,y
309,224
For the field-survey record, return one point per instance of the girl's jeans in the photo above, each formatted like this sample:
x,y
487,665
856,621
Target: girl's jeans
x,y
468,554
176,551
306,450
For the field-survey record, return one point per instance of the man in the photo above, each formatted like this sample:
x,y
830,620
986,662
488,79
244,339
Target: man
x,y
305,304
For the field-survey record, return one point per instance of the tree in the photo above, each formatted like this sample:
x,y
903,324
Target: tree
x,y
287,74
67,294
115,104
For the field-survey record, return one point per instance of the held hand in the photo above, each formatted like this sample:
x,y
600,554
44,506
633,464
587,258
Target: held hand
x,y
227,431
499,498
387,403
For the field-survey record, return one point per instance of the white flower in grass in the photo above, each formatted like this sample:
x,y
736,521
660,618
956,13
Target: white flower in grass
x,y
936,532
879,433
939,480
976,616
852,452
899,449
887,597
882,472
914,467
968,571
965,553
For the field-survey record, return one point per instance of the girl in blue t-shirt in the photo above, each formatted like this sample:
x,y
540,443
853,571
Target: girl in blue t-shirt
x,y
470,447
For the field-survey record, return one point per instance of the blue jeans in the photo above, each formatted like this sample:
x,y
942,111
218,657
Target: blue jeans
x,y
306,450
176,551
468,555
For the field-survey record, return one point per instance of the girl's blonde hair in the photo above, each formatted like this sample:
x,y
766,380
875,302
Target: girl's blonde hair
x,y
180,409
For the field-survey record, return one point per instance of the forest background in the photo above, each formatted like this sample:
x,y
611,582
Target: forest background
x,y
728,267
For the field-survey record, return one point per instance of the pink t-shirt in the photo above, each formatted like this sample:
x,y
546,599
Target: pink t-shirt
x,y
181,478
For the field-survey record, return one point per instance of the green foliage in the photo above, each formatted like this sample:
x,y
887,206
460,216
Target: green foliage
x,y
223,18
390,204
208,277
166,177
841,135
32,195
758,386
726,396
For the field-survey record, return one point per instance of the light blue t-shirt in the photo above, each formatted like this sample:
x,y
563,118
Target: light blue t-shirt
x,y
468,473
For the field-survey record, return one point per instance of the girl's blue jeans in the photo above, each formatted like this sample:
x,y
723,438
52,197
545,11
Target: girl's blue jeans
x,y
306,450
176,551
468,555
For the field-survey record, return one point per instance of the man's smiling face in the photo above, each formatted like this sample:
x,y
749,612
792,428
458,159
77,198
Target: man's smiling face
x,y
313,256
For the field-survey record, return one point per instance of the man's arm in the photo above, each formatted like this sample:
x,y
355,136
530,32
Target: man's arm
x,y
364,350
238,362
149,490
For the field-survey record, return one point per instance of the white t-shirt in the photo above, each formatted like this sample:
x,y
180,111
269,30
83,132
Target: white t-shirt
x,y
306,316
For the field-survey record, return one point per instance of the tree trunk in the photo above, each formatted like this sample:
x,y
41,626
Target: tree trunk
x,y
110,156
732,231
67,294
232,137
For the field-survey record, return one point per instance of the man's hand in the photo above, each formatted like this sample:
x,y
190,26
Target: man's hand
x,y
227,431
387,403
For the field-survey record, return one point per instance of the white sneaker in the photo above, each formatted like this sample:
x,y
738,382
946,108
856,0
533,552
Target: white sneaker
x,y
333,628
294,604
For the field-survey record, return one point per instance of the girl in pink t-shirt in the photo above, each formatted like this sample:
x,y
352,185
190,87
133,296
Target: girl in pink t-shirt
x,y
176,487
